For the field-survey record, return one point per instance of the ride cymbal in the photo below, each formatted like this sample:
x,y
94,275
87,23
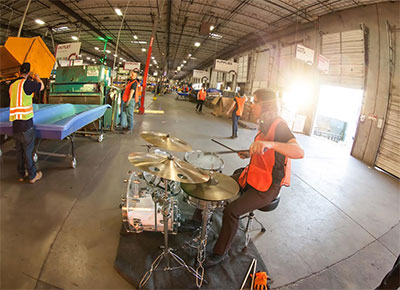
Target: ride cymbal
x,y
168,167
220,187
166,141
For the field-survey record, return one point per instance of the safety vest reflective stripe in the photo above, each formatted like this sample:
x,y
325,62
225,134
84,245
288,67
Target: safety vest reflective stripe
x,y
240,105
258,173
138,92
20,103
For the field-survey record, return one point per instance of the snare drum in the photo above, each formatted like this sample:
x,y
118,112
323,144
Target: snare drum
x,y
199,203
205,160
140,212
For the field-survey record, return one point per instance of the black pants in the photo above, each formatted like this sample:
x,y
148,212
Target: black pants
x,y
251,199
235,119
199,106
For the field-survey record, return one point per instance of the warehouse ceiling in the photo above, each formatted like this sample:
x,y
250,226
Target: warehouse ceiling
x,y
237,25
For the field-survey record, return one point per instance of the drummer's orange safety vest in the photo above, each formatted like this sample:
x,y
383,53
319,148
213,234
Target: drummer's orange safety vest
x,y
138,91
20,103
258,173
240,105
201,95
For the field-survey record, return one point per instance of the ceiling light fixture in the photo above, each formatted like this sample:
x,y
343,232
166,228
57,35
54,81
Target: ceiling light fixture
x,y
74,37
215,36
60,29
96,48
38,21
115,55
212,27
189,55
118,11
143,49
197,44
93,59
88,58
152,57
184,61
107,51
135,37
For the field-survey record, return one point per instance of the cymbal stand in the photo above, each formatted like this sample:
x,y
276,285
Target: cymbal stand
x,y
201,250
167,252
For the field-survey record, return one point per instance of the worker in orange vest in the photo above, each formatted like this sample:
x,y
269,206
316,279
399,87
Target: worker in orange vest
x,y
130,97
260,182
201,97
236,110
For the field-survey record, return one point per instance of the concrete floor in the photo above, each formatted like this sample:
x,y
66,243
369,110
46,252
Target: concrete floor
x,y
337,226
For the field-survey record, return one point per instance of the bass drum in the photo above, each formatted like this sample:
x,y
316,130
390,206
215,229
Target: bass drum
x,y
140,212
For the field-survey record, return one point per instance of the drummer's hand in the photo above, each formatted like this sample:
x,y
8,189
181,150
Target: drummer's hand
x,y
244,154
259,147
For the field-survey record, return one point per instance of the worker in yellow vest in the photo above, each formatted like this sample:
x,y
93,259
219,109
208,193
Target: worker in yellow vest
x,y
21,115
237,110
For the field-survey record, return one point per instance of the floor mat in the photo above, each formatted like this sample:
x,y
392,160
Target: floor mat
x,y
136,252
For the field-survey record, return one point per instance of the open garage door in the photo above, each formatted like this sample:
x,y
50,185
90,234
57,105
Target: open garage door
x,y
388,157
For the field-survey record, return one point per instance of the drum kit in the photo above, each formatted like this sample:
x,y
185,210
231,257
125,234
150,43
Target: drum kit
x,y
150,202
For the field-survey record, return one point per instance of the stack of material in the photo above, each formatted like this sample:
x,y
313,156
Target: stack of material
x,y
221,106
246,112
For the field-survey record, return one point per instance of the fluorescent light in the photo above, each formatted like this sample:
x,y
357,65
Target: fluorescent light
x,y
215,36
197,44
135,37
120,62
107,51
93,59
143,49
60,29
38,21
118,11
152,57
121,58
74,37
96,48
212,27
189,55
80,55
154,61
139,41
88,58
115,55
151,65
184,61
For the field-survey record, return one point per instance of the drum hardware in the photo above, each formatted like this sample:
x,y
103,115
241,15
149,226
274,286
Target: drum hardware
x,y
165,141
168,167
167,252
209,196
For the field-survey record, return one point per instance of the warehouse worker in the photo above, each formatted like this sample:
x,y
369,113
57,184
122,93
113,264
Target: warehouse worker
x,y
201,97
21,115
260,182
237,111
130,96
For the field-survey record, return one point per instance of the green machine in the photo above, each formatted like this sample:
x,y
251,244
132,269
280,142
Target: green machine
x,y
87,84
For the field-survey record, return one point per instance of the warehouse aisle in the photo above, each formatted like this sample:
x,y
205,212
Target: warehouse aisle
x,y
336,226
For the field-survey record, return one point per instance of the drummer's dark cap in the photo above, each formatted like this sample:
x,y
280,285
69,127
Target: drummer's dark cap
x,y
25,68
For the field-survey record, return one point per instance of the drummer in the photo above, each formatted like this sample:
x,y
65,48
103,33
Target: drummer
x,y
260,181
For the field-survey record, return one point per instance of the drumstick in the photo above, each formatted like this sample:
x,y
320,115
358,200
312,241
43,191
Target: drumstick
x,y
228,152
219,143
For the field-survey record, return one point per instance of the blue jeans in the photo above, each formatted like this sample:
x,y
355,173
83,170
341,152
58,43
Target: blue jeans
x,y
235,119
127,115
24,143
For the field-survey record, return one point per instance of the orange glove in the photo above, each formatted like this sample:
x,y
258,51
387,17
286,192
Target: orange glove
x,y
260,282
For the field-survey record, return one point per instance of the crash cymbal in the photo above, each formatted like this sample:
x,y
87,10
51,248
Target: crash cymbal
x,y
166,141
220,187
168,167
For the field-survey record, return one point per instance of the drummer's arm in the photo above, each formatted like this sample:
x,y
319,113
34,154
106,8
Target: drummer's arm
x,y
291,149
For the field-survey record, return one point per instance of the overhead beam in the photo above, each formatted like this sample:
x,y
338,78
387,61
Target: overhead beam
x,y
75,15
169,12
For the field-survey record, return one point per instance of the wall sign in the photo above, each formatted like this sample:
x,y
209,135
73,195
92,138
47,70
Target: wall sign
x,y
68,50
305,54
225,65
129,65
323,64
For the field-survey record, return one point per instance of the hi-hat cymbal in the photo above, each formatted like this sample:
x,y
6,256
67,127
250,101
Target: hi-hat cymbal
x,y
220,187
168,167
166,141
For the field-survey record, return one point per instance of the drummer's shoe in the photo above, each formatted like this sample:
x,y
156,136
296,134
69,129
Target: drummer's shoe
x,y
213,260
189,226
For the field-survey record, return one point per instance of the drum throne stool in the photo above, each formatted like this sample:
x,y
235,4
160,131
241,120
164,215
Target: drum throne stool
x,y
251,217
